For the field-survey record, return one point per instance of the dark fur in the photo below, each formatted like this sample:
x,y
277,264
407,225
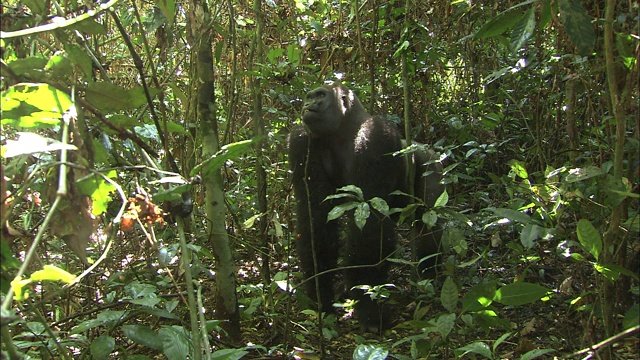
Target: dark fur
x,y
341,144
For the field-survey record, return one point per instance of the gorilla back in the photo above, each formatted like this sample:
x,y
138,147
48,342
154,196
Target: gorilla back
x,y
340,144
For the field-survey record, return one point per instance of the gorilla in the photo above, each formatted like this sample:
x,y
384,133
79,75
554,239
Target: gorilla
x,y
340,144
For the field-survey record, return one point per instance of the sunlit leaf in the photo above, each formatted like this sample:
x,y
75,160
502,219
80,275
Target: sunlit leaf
x,y
520,293
53,273
29,143
523,30
33,105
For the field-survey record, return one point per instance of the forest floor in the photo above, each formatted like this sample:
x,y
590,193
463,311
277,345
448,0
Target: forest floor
x,y
565,323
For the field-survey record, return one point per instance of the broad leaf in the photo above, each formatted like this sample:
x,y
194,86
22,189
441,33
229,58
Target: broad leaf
x,y
512,215
477,347
449,294
589,238
523,31
499,24
102,346
339,210
143,335
520,293
577,24
227,152
33,105
175,342
361,214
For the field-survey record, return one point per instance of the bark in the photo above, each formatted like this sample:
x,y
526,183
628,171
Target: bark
x,y
225,292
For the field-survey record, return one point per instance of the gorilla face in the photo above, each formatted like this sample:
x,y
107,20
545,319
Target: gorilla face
x,y
325,108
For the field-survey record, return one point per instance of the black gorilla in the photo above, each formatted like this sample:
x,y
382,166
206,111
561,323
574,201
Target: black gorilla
x,y
341,144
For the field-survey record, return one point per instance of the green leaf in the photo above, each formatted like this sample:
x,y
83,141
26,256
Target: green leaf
x,y
589,237
613,271
500,340
445,324
479,297
32,66
227,152
99,189
362,214
109,97
477,347
442,200
577,24
369,352
339,210
631,317
107,317
175,342
580,174
33,105
90,27
354,190
520,293
512,215
449,294
102,346
143,335
430,218
380,205
535,353
518,168
53,273
523,31
168,8
530,233
228,354
499,24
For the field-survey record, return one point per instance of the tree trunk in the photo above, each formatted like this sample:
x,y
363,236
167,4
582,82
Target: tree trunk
x,y
225,292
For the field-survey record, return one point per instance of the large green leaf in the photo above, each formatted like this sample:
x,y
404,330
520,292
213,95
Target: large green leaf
x,y
227,152
361,214
102,346
31,105
523,30
577,24
340,209
499,24
479,297
477,347
99,189
520,293
449,294
143,335
175,342
512,215
110,97
589,237
445,324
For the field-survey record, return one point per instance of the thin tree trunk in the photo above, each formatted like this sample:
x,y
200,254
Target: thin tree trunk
x,y
225,292
255,57
612,237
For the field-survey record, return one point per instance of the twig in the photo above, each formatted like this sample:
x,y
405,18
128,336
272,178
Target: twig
x,y
605,343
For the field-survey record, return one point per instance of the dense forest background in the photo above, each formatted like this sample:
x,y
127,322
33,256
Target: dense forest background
x,y
147,209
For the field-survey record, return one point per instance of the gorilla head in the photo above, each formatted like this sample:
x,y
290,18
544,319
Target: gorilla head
x,y
340,144
326,107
